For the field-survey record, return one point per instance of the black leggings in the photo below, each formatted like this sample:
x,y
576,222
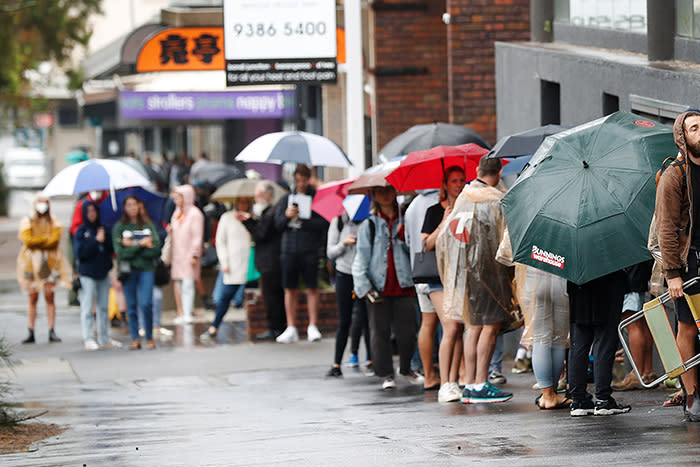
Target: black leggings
x,y
360,325
343,297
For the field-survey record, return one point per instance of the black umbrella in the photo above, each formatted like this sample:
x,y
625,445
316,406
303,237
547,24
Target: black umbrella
x,y
217,174
525,142
423,137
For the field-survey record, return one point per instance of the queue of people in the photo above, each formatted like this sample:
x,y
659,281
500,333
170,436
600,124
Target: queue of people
x,y
476,296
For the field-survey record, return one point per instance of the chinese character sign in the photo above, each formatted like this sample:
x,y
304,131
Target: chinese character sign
x,y
180,49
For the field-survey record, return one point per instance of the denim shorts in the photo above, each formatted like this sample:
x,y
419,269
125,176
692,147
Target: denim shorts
x,y
435,288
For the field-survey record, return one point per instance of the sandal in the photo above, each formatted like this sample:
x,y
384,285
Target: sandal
x,y
565,404
135,344
675,400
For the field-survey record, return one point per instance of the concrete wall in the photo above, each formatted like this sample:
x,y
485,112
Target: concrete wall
x,y
584,75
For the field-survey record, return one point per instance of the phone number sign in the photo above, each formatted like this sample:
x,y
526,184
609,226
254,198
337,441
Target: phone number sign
x,y
280,41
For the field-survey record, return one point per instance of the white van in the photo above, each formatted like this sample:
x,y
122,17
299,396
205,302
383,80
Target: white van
x,y
25,168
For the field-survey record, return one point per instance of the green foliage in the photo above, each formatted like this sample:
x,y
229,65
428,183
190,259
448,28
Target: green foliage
x,y
32,31
8,416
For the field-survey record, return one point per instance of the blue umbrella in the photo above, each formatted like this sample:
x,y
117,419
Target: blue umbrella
x,y
153,201
515,165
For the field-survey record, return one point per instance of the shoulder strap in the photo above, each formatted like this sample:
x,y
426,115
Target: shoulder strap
x,y
679,165
340,223
372,230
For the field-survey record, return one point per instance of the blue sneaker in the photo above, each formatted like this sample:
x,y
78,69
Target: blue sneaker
x,y
352,362
489,394
466,396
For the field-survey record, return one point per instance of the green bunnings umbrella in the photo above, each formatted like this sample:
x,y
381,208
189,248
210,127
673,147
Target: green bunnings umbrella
x,y
583,207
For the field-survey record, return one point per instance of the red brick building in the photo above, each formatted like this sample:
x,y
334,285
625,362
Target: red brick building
x,y
426,71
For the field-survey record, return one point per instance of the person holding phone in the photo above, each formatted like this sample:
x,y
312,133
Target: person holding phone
x,y
93,249
137,245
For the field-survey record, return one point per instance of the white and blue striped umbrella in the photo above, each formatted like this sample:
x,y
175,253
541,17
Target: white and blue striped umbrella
x,y
295,146
95,174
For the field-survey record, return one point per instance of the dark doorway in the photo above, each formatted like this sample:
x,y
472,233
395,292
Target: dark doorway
x,y
550,96
611,104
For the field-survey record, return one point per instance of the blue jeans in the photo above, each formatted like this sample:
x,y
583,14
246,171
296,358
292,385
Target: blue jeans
x,y
547,363
497,357
138,291
157,306
216,293
91,289
227,292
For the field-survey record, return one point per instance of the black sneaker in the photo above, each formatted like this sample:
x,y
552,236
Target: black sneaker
x,y
692,413
582,408
369,370
610,407
53,337
30,338
334,372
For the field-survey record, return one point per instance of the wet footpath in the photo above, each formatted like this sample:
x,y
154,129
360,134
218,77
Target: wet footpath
x,y
237,403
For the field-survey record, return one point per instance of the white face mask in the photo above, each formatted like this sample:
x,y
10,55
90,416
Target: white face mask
x,y
95,195
42,207
258,208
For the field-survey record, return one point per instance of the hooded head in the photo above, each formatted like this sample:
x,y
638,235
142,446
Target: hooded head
x,y
86,219
187,193
679,131
41,206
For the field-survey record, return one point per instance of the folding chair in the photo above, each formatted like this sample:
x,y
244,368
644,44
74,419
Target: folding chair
x,y
663,336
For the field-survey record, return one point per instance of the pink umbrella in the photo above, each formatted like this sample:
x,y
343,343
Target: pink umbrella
x,y
328,201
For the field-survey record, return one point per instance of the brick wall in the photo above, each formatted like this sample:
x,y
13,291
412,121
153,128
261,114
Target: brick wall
x,y
475,26
256,318
410,66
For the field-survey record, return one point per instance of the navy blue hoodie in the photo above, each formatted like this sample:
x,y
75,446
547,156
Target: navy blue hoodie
x,y
94,258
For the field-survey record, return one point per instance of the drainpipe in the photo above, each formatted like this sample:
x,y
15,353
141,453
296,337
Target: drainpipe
x,y
541,19
661,30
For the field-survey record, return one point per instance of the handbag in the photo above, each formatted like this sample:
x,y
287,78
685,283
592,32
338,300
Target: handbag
x,y
425,270
253,273
166,251
124,271
161,273
209,258
44,270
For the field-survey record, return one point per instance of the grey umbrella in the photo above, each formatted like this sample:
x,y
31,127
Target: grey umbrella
x,y
525,142
422,137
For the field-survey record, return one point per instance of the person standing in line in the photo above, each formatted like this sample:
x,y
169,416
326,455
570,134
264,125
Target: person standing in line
x,y
677,221
489,283
233,251
261,225
301,238
450,350
93,252
186,230
137,245
381,273
595,308
342,237
40,263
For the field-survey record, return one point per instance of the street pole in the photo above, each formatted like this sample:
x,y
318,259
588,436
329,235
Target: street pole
x,y
354,92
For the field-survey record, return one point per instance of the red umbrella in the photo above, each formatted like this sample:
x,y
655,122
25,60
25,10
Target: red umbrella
x,y
328,201
422,170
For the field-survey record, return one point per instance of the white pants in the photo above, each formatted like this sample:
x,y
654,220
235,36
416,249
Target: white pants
x,y
187,296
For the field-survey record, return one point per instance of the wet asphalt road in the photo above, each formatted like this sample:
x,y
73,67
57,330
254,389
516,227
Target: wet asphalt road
x,y
266,404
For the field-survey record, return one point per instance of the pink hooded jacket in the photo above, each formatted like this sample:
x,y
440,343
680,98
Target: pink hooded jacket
x,y
187,232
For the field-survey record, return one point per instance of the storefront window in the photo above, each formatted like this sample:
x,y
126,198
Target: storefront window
x,y
625,15
688,18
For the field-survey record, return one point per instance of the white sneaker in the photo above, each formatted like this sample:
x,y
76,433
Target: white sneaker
x,y
165,332
188,319
91,345
313,334
114,344
414,377
179,320
289,336
448,394
389,383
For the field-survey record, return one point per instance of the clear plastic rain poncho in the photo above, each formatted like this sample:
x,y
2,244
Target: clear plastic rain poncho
x,y
545,305
476,287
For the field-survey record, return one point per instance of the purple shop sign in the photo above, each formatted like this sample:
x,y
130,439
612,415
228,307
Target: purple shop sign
x,y
206,105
